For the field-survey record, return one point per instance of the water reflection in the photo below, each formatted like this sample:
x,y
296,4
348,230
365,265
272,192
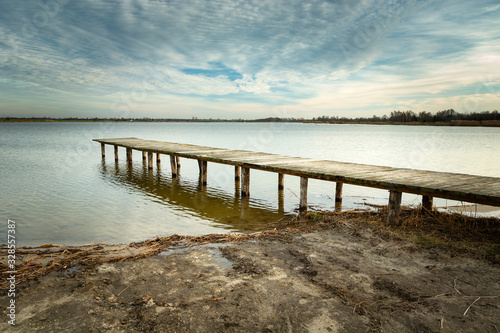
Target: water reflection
x,y
191,198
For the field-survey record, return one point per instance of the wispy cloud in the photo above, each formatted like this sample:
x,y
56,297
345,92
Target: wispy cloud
x,y
318,57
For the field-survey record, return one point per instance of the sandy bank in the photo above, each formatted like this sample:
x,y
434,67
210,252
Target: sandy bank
x,y
329,278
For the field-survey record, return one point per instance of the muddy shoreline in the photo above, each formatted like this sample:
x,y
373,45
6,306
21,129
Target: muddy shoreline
x,y
332,277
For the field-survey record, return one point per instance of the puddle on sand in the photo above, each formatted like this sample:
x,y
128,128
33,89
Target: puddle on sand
x,y
213,249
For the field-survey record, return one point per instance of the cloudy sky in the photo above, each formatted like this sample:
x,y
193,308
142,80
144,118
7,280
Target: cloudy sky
x,y
247,59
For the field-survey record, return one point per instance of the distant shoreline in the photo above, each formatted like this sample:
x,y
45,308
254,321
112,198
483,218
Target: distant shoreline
x,y
463,123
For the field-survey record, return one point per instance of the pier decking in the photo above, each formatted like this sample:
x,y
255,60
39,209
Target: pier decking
x,y
429,184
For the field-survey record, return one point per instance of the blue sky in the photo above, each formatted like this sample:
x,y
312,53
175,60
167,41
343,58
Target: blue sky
x,y
247,59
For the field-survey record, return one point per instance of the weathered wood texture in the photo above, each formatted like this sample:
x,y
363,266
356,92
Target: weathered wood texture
x,y
245,182
129,155
338,191
394,207
237,173
427,202
116,153
150,160
173,166
281,181
303,193
462,187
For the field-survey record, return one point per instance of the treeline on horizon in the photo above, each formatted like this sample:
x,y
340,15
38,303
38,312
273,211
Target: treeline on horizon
x,y
445,117
409,116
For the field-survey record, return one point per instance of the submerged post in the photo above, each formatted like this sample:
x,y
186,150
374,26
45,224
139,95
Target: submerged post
x,y
245,186
394,207
173,166
303,193
116,153
129,155
427,203
281,181
236,173
103,150
150,160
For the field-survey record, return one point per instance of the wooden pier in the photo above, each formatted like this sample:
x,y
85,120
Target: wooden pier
x,y
429,184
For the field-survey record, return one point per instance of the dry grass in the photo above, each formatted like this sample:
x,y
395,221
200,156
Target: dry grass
x,y
455,232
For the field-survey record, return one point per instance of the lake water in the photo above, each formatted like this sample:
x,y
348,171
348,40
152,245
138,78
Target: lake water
x,y
57,188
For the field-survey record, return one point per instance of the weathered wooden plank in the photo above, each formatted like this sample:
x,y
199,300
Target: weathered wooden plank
x,y
469,188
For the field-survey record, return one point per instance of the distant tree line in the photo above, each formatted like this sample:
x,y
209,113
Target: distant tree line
x,y
445,117
409,116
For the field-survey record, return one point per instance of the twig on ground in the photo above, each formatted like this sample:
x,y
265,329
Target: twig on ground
x,y
477,299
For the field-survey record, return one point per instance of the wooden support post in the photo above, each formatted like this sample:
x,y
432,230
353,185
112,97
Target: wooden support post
x,y
200,166
245,186
281,181
144,156
158,158
204,174
150,160
338,191
116,153
394,207
103,150
303,193
236,173
173,166
178,160
427,203
129,155
281,202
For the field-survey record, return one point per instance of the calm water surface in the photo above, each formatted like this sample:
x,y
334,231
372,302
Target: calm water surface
x,y
58,189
